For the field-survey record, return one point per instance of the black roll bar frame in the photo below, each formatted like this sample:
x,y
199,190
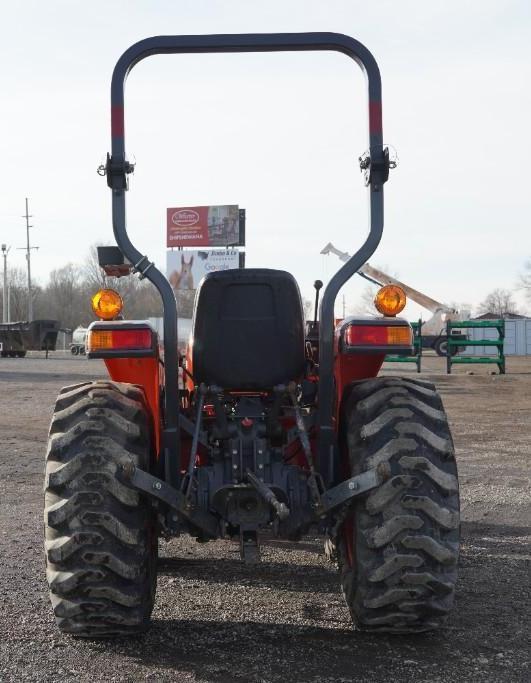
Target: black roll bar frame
x,y
376,167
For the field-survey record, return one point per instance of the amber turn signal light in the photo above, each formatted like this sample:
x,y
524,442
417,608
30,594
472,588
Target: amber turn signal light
x,y
107,304
390,300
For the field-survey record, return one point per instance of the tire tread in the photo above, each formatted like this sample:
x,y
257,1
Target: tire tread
x,y
100,536
406,532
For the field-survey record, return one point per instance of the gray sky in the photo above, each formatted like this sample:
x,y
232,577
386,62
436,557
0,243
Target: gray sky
x,y
278,134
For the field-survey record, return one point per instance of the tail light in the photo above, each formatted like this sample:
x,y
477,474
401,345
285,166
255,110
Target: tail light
x,y
123,339
365,336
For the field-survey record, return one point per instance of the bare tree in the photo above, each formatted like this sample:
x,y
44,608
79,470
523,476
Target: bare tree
x,y
67,295
18,289
93,275
365,303
525,280
500,302
63,298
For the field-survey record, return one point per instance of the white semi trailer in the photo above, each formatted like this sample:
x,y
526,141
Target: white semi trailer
x,y
79,340
434,329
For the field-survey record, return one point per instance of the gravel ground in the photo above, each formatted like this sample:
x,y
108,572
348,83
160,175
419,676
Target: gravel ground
x,y
216,620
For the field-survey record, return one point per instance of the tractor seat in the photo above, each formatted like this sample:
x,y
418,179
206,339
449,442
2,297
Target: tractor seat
x,y
248,329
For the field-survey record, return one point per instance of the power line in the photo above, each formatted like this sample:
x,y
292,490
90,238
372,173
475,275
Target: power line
x,y
28,249
5,302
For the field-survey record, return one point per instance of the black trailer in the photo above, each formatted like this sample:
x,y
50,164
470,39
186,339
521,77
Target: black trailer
x,y
11,341
19,337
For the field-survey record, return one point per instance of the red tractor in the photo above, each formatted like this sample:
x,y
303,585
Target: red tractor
x,y
278,427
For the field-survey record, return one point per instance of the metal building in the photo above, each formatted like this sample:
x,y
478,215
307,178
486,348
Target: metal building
x,y
517,339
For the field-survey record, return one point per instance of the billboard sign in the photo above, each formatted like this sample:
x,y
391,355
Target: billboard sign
x,y
186,269
205,226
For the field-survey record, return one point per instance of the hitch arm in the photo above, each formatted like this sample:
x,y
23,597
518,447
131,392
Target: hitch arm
x,y
344,492
175,499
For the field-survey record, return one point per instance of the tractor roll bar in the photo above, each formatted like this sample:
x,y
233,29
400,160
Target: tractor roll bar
x,y
376,168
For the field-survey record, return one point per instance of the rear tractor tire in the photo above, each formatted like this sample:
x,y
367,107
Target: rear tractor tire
x,y
398,549
100,534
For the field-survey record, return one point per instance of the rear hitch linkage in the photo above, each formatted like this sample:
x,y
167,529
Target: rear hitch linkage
x,y
281,509
330,500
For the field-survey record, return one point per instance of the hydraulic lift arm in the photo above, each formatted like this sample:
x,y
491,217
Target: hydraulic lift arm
x,y
382,278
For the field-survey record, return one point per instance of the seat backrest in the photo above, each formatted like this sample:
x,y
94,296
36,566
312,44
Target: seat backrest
x,y
248,329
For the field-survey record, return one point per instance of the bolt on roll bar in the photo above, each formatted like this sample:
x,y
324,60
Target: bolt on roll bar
x,y
376,170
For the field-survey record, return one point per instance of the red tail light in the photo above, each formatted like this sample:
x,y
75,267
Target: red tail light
x,y
367,335
378,335
106,340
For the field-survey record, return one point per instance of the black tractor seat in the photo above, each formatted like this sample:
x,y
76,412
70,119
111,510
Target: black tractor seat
x,y
248,329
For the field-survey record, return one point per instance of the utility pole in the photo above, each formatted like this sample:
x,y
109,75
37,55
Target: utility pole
x,y
28,249
5,291
344,307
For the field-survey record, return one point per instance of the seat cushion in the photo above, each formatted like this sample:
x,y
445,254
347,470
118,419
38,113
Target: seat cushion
x,y
248,329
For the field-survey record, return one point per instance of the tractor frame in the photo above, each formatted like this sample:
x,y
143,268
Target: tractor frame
x,y
375,165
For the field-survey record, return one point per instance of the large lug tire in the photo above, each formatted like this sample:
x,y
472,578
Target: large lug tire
x,y
441,348
398,549
100,534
